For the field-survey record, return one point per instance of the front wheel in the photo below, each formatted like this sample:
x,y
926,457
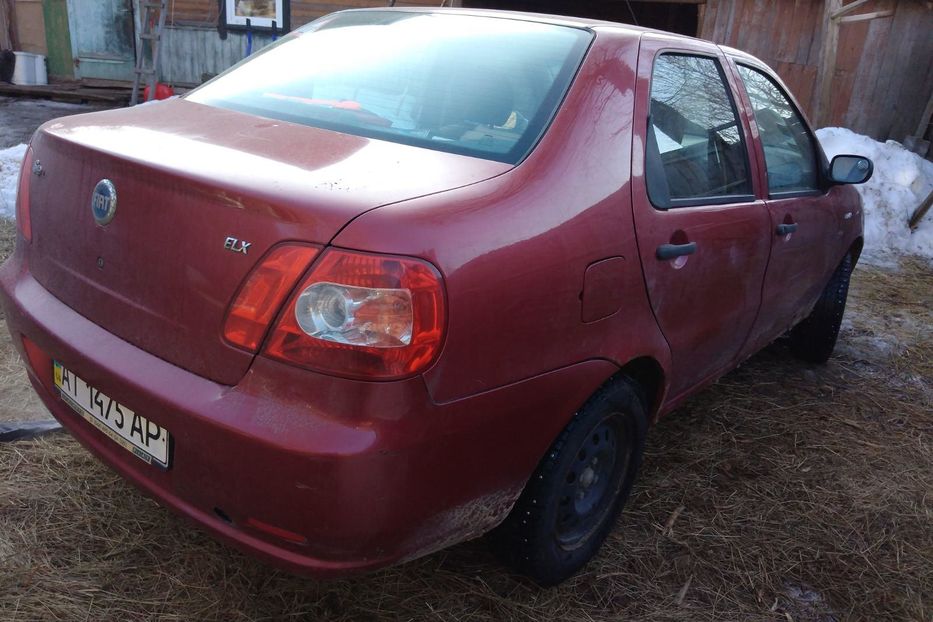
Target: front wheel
x,y
814,338
578,489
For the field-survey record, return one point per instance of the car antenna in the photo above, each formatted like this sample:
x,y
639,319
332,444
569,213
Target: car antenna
x,y
630,10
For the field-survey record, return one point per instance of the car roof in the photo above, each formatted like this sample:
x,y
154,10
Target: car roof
x,y
741,55
544,18
569,21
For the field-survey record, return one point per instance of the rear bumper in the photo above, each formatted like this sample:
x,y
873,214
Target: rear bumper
x,y
368,473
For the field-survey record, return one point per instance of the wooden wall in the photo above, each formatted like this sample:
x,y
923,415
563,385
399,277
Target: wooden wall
x,y
206,12
193,49
884,67
7,30
30,26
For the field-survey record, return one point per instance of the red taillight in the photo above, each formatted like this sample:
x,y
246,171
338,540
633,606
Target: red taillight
x,y
363,316
22,197
262,294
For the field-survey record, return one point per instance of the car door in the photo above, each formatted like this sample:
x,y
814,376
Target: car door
x,y
703,237
803,219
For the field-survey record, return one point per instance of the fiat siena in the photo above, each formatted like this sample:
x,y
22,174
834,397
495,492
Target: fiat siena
x,y
410,276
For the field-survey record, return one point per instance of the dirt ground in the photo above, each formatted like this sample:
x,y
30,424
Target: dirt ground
x,y
18,402
20,117
785,492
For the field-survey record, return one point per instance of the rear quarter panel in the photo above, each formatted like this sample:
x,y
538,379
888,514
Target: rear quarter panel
x,y
514,249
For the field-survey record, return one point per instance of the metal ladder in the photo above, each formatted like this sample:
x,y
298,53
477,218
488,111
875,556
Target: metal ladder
x,y
152,21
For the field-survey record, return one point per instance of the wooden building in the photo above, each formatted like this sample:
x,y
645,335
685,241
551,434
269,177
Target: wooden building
x,y
881,80
874,75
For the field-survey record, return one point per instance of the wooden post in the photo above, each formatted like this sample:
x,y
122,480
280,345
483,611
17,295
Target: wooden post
x,y
827,66
920,212
834,14
925,119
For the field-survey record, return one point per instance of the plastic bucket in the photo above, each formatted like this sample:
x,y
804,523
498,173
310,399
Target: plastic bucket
x,y
29,69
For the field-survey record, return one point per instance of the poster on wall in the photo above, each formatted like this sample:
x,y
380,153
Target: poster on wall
x,y
257,14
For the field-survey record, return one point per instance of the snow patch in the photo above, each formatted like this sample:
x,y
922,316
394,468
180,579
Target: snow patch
x,y
10,160
901,181
155,101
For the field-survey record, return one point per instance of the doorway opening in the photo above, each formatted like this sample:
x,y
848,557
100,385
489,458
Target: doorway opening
x,y
678,17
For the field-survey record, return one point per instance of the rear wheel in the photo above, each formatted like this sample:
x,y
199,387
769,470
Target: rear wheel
x,y
574,496
814,338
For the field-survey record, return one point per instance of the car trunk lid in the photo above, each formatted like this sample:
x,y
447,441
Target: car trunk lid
x,y
161,274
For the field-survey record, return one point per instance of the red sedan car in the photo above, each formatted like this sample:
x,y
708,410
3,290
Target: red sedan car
x,y
409,276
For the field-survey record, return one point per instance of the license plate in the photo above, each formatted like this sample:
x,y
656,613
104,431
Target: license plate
x,y
135,433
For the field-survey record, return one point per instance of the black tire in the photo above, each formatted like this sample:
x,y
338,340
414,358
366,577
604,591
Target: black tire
x,y
549,536
814,338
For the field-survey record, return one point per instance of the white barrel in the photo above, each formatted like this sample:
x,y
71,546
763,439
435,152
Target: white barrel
x,y
30,69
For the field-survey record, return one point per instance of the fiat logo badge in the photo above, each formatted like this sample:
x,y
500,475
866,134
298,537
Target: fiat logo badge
x,y
104,202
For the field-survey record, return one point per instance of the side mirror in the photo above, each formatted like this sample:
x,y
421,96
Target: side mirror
x,y
850,169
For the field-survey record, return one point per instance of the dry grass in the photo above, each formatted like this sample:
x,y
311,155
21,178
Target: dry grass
x,y
784,492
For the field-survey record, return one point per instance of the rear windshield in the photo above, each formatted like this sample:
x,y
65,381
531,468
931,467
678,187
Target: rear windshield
x,y
479,86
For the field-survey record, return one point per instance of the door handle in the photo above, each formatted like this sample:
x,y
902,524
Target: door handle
x,y
786,229
670,251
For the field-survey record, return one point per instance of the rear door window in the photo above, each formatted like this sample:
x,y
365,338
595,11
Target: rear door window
x,y
788,146
696,152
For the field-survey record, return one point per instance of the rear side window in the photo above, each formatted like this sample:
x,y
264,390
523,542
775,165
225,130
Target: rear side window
x,y
479,86
787,144
695,149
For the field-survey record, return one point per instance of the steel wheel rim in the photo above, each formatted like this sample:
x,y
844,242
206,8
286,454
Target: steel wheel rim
x,y
592,482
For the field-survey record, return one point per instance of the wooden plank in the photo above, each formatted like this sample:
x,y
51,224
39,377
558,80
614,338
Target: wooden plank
x,y
849,8
849,54
867,76
806,92
886,96
718,24
800,24
7,31
827,65
741,34
920,212
58,39
785,16
304,11
730,24
710,19
726,15
805,24
912,69
865,17
191,12
851,45
755,13
925,119
722,19
207,12
192,52
72,94
774,13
